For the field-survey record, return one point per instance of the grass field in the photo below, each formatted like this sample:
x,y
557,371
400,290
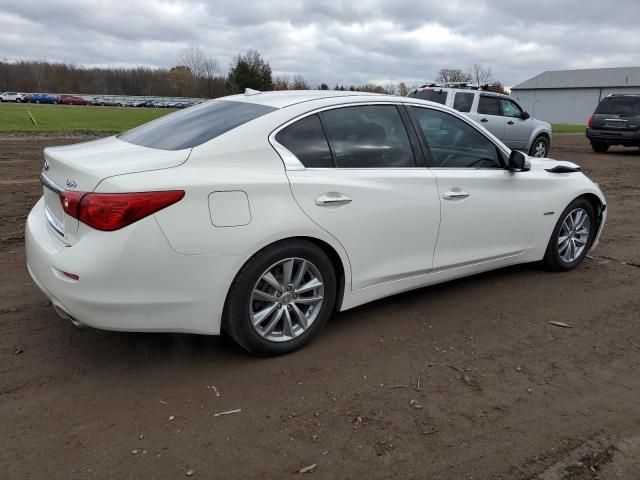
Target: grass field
x,y
565,128
73,118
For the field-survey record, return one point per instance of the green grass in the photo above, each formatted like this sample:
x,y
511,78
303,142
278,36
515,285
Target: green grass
x,y
73,118
565,128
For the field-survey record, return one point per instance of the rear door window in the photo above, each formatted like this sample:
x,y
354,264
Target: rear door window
x,y
368,136
307,141
463,101
488,105
194,126
626,106
433,95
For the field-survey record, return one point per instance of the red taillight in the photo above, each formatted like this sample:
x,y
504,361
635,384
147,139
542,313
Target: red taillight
x,y
590,122
112,211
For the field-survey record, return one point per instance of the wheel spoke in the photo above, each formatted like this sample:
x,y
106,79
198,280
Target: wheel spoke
x,y
287,271
288,326
579,242
271,280
300,275
272,324
302,319
260,316
310,285
263,296
309,300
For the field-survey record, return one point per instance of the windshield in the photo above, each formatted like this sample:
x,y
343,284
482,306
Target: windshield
x,y
619,106
193,126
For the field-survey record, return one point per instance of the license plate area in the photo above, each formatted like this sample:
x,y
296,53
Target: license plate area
x,y
53,211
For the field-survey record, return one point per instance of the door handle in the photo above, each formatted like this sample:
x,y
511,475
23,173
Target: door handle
x,y
455,195
332,199
510,122
484,120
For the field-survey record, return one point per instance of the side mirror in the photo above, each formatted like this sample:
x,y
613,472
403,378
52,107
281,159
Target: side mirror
x,y
518,162
526,116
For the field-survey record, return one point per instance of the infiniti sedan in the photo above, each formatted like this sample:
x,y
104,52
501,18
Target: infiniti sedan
x,y
261,214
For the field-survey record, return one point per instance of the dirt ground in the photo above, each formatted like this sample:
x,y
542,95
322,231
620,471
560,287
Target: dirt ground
x,y
533,401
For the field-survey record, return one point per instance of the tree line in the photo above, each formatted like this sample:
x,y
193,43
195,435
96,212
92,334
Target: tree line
x,y
195,75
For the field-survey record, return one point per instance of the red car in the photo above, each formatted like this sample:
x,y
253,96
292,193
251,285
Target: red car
x,y
71,100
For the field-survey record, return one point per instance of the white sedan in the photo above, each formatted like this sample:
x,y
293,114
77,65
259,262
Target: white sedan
x,y
262,214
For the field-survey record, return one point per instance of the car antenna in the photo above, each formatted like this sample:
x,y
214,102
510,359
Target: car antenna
x,y
251,91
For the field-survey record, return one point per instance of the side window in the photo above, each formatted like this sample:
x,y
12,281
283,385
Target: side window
x,y
454,143
307,141
368,136
510,109
488,105
463,101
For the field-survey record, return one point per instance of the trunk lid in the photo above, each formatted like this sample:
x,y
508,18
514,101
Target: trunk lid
x,y
81,167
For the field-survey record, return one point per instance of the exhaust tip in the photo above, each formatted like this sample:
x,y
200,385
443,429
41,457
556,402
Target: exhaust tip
x,y
62,313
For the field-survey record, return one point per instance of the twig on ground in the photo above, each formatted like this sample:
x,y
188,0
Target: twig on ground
x,y
228,412
397,386
429,432
429,365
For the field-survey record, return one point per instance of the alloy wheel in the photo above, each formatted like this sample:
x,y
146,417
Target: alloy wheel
x,y
286,299
573,235
540,150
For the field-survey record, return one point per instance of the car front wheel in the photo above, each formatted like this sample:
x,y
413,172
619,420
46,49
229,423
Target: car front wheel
x,y
540,147
572,236
281,298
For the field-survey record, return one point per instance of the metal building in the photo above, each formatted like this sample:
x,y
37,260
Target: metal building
x,y
571,96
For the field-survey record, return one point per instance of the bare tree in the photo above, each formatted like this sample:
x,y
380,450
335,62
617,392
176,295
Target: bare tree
x,y
299,83
389,89
202,68
452,75
403,90
281,83
481,75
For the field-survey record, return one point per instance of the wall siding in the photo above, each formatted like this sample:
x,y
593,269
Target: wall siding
x,y
565,105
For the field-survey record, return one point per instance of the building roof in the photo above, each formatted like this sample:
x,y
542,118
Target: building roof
x,y
585,78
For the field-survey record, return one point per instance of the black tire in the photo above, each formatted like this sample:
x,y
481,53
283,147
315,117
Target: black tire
x,y
18,100
236,317
599,147
552,258
540,140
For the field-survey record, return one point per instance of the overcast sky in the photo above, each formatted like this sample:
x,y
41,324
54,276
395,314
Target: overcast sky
x,y
332,41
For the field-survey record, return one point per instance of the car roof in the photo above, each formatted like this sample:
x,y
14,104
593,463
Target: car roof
x,y
285,98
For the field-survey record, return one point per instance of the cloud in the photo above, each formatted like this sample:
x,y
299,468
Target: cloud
x,y
331,41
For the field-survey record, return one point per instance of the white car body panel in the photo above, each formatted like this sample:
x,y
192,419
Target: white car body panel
x,y
172,271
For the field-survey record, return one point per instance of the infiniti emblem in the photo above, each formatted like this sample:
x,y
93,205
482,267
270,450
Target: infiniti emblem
x,y
71,183
46,166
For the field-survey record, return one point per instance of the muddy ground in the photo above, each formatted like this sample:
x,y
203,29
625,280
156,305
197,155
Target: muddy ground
x,y
533,400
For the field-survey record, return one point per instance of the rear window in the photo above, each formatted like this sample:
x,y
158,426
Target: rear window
x,y
193,126
438,96
619,106
463,101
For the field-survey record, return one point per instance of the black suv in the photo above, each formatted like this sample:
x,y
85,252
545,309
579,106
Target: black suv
x,y
616,121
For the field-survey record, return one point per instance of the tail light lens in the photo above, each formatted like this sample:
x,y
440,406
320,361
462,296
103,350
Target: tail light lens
x,y
590,122
113,211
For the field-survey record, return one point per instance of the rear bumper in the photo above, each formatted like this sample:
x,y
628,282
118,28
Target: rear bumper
x,y
129,280
614,137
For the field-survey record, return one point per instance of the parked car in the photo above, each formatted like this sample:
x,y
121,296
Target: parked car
x,y
262,214
616,121
43,98
500,114
105,102
73,100
12,97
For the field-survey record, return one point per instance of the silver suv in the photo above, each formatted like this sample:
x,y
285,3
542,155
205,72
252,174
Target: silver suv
x,y
500,114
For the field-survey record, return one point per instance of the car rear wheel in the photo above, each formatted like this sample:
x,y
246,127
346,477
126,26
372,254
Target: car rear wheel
x,y
572,236
281,298
540,147
600,147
